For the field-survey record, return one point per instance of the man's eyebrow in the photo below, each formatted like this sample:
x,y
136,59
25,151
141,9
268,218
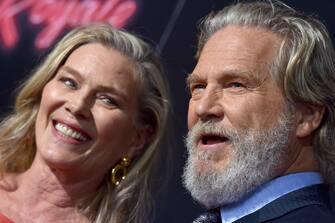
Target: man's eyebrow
x,y
236,73
246,74
191,78
227,75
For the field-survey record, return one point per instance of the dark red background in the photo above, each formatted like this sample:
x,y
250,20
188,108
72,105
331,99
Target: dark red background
x,y
153,20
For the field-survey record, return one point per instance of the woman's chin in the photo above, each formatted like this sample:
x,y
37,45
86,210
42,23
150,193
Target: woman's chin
x,y
62,160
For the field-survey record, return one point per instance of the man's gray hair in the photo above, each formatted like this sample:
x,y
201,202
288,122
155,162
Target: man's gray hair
x,y
304,67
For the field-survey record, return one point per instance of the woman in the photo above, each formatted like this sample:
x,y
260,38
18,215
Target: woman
x,y
86,128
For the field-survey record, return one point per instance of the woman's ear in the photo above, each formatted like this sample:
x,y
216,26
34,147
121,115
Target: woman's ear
x,y
143,136
309,118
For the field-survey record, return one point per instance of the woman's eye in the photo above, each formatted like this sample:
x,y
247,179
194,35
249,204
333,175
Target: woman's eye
x,y
108,100
69,82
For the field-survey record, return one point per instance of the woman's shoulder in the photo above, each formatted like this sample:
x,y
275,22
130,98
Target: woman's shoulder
x,y
4,219
7,185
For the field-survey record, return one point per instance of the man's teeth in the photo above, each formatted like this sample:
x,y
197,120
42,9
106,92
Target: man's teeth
x,y
70,132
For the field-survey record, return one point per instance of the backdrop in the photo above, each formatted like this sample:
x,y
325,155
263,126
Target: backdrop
x,y
28,28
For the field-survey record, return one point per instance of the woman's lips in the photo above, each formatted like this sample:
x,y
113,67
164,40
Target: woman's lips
x,y
69,133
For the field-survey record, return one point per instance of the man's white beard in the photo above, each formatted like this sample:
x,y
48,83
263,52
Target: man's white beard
x,y
255,159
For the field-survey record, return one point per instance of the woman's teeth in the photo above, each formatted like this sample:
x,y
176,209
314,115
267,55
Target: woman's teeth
x,y
70,132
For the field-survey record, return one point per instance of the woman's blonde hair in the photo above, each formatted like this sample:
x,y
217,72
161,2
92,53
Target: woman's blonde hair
x,y
304,67
130,201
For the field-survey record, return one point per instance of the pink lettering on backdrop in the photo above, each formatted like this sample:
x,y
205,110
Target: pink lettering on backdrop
x,y
57,15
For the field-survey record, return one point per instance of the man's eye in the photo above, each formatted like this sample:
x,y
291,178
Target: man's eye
x,y
236,85
197,87
69,82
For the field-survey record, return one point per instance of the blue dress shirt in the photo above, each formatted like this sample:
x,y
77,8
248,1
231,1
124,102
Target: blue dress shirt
x,y
267,193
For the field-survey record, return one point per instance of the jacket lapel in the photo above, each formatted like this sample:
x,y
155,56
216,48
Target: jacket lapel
x,y
312,195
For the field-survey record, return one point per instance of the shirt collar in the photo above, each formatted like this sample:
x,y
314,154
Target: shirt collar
x,y
267,193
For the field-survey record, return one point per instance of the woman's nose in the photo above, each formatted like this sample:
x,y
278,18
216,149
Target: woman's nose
x,y
79,106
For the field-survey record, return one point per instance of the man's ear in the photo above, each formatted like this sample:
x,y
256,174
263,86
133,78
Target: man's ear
x,y
309,118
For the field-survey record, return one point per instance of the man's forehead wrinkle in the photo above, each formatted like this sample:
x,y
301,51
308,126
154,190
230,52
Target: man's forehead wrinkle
x,y
239,66
236,58
237,42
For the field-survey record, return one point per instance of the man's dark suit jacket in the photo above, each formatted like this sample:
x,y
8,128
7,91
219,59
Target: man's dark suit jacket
x,y
307,205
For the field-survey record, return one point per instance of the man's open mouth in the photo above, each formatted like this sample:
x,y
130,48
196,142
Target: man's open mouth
x,y
211,139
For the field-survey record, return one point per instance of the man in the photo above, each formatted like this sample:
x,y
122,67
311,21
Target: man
x,y
261,116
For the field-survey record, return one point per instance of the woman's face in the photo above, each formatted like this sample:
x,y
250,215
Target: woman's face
x,y
87,117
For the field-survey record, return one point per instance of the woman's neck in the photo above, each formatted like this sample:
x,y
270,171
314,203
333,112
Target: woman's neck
x,y
43,194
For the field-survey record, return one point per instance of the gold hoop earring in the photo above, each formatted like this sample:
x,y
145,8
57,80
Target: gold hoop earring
x,y
119,172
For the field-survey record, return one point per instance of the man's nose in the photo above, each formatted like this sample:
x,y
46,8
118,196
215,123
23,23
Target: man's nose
x,y
209,106
79,105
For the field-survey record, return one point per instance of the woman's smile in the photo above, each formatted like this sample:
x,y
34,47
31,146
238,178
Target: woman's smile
x,y
70,134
